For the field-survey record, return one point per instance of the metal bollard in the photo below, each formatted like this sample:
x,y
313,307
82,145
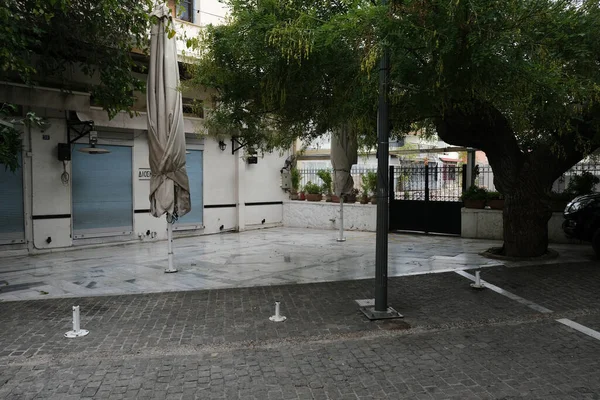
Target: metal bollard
x,y
477,284
277,317
77,331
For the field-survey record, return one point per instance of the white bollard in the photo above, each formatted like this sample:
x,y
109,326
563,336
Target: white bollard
x,y
77,331
477,284
277,317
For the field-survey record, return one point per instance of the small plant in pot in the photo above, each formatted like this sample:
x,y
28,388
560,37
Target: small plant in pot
x,y
369,185
351,197
295,184
474,197
495,200
313,192
327,183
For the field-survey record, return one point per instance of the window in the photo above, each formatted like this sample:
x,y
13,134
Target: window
x,y
186,10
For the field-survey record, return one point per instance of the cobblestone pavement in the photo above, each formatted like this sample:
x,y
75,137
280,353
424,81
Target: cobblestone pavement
x,y
453,343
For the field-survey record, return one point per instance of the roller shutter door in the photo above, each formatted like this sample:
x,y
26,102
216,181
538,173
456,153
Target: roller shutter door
x,y
194,166
102,195
12,220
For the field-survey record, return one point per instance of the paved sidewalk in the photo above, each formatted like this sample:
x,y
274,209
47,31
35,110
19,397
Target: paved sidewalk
x,y
255,258
454,342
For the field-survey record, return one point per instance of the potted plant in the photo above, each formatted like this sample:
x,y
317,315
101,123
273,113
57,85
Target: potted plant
x,y
327,182
474,197
313,192
495,200
351,197
302,195
295,184
369,185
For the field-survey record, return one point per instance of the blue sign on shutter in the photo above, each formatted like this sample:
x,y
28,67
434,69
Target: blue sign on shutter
x,y
194,168
102,192
12,220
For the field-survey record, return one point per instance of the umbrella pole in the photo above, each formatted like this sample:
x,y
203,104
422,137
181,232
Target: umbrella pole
x,y
341,238
170,245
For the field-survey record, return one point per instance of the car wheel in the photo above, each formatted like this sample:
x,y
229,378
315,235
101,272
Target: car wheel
x,y
596,242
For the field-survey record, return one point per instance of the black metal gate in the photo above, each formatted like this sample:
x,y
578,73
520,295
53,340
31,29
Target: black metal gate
x,y
426,198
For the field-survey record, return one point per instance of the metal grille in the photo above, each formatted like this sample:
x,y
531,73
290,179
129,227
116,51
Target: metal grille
x,y
485,176
310,175
428,182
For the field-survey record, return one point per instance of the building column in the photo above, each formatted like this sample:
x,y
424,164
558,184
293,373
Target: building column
x,y
240,169
470,168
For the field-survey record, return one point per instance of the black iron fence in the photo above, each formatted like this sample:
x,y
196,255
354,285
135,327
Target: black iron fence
x,y
311,175
484,176
427,182
442,182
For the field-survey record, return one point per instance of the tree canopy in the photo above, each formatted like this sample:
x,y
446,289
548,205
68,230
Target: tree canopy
x,y
46,37
47,41
518,79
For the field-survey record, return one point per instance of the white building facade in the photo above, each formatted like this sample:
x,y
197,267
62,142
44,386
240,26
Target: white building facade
x,y
51,203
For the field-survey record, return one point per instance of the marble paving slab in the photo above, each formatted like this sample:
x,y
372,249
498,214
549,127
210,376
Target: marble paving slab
x,y
254,258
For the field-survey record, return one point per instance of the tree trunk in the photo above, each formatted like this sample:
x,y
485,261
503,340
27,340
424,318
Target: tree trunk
x,y
525,223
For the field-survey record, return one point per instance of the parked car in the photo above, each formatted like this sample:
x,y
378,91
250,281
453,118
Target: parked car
x,y
582,220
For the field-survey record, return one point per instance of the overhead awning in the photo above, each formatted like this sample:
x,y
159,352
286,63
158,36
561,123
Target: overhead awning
x,y
123,121
43,97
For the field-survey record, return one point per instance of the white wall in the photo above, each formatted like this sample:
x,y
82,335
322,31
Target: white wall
x,y
49,200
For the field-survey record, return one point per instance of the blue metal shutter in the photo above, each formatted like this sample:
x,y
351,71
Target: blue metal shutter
x,y
193,164
12,220
102,187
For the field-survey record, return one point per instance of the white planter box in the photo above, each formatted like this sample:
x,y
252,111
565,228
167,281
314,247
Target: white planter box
x,y
322,215
487,224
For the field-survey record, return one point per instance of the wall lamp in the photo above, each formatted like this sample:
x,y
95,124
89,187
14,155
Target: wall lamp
x,y
222,145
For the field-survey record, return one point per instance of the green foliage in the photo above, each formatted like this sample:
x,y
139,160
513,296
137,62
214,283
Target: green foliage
x,y
475,193
494,196
313,188
582,184
295,178
302,68
10,134
369,183
327,180
44,40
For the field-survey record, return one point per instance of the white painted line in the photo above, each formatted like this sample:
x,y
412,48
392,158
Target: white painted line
x,y
580,328
510,295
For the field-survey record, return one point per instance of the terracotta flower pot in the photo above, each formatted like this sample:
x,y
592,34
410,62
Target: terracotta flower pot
x,y
350,199
301,196
496,204
470,203
335,199
314,197
364,200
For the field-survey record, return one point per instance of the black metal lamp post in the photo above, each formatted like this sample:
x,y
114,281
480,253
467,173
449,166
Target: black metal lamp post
x,y
381,309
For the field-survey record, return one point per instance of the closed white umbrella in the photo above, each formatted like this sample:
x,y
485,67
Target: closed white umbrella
x,y
344,154
169,185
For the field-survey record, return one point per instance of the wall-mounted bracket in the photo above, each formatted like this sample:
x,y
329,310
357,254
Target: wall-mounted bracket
x,y
240,144
80,128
